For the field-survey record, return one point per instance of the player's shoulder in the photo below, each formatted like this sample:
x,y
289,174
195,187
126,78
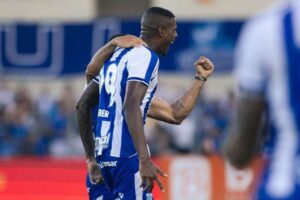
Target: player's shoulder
x,y
142,52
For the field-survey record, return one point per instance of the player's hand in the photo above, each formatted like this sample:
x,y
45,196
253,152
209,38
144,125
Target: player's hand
x,y
94,172
204,67
127,41
149,172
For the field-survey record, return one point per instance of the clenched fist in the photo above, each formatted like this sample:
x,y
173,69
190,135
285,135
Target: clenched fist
x,y
204,67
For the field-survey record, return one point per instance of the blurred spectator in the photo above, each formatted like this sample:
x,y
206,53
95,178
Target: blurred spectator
x,y
182,136
45,102
31,126
67,141
213,120
159,139
6,95
46,125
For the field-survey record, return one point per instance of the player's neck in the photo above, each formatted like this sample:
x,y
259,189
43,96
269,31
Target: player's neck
x,y
151,42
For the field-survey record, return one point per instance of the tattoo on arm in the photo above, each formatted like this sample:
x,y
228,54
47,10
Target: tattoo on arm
x,y
186,103
180,105
175,113
87,101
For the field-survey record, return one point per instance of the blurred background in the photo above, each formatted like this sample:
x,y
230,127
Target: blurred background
x,y
44,49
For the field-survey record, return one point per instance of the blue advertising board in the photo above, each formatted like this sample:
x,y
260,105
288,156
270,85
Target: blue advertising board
x,y
54,49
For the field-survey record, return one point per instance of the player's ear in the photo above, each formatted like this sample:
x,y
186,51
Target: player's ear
x,y
161,31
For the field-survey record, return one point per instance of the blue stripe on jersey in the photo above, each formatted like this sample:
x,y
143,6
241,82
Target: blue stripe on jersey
x,y
152,64
113,116
148,104
124,51
293,61
124,83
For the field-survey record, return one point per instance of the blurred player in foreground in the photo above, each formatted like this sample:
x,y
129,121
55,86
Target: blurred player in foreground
x,y
268,75
127,85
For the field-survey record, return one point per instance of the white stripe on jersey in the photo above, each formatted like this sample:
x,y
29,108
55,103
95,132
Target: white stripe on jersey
x,y
281,181
118,123
104,138
96,79
145,101
138,188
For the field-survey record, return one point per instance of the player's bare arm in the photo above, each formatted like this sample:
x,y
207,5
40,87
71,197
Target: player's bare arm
x,y
84,106
135,93
105,52
241,145
175,113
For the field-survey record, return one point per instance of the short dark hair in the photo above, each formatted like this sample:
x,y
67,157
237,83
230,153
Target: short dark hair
x,y
160,11
154,17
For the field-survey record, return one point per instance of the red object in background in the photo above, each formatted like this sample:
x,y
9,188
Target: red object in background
x,y
209,178
43,178
190,177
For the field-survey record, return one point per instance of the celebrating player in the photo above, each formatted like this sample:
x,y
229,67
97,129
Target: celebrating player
x,y
98,190
127,85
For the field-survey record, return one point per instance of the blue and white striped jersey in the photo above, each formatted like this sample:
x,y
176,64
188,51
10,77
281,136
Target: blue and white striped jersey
x,y
129,64
268,65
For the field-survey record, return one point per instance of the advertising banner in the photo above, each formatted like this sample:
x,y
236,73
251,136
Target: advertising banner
x,y
206,178
189,178
52,49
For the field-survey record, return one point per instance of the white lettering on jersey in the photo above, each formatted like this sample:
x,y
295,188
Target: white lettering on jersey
x,y
103,113
108,164
110,80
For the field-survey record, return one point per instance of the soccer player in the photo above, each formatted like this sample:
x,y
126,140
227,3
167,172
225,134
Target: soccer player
x,y
127,84
268,75
99,190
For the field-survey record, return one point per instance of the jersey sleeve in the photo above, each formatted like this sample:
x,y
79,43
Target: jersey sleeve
x,y
250,66
141,65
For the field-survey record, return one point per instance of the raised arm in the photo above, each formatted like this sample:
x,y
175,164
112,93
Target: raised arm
x,y
105,52
175,113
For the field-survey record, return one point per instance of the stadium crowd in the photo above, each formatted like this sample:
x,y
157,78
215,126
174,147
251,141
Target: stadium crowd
x,y
45,125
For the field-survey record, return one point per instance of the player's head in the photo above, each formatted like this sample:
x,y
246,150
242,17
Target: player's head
x,y
159,26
